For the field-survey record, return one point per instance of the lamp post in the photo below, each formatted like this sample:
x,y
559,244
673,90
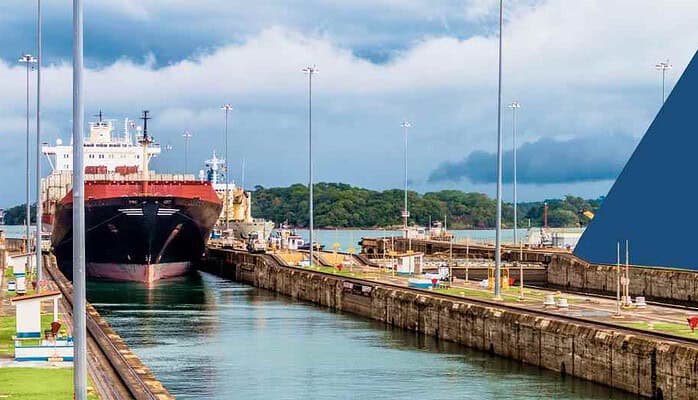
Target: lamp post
x,y
663,66
617,280
39,204
79,323
405,213
227,108
187,135
514,106
310,70
626,278
498,234
27,59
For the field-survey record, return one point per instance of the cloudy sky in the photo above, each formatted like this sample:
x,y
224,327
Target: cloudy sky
x,y
582,70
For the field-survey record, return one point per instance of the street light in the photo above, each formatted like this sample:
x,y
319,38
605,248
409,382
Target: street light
x,y
514,106
187,135
663,66
28,59
405,213
227,108
617,315
39,205
310,70
79,323
498,241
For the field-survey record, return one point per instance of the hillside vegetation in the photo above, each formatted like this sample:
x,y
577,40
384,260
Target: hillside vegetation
x,y
341,205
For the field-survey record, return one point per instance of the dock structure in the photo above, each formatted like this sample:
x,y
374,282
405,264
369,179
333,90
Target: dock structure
x,y
571,333
562,269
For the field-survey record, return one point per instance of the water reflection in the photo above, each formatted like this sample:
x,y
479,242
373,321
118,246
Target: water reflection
x,y
205,337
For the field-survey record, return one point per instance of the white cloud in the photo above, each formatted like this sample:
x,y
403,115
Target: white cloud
x,y
579,68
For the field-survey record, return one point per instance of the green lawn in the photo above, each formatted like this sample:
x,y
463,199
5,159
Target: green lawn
x,y
510,295
480,294
343,272
666,327
38,384
7,330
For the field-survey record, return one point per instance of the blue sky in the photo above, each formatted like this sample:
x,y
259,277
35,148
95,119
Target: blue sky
x,y
583,72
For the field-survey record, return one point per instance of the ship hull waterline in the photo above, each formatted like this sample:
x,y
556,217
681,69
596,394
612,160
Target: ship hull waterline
x,y
137,238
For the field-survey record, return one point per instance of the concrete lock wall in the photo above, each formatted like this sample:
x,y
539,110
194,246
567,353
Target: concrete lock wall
x,y
567,271
645,365
662,284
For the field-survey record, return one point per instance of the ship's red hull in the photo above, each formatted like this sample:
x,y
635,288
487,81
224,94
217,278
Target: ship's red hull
x,y
138,231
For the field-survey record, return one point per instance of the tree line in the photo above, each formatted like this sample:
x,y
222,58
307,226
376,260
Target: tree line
x,y
339,205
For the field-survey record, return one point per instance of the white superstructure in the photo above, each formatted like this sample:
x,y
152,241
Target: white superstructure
x,y
105,152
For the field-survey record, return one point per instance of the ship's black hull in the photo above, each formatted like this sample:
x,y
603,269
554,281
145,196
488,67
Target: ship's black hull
x,y
137,238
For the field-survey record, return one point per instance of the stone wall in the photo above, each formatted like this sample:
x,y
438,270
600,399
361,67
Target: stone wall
x,y
645,365
565,270
661,284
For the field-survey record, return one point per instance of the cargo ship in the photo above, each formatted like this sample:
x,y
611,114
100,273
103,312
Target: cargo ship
x,y
140,226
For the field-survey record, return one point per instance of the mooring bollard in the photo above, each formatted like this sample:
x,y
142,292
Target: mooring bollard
x,y
640,302
549,301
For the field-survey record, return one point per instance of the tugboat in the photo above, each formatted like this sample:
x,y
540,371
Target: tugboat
x,y
140,226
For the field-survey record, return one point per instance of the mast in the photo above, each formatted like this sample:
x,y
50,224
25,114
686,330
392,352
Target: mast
x,y
145,140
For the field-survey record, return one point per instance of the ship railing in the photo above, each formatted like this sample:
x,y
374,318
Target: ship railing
x,y
152,177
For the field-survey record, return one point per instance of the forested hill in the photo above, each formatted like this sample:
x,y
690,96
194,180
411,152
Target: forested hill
x,y
341,205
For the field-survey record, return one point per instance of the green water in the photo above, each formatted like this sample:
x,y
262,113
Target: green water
x,y
209,338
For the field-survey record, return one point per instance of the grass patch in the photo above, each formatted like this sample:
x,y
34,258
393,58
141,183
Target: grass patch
x,y
8,329
343,272
682,330
39,384
480,294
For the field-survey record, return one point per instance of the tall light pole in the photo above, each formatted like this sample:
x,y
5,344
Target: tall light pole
x,y
227,108
187,135
39,200
28,59
405,213
514,106
79,333
498,234
663,66
310,70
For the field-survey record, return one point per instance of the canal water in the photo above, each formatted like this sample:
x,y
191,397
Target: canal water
x,y
209,338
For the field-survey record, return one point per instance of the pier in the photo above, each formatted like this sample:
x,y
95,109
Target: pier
x,y
582,339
